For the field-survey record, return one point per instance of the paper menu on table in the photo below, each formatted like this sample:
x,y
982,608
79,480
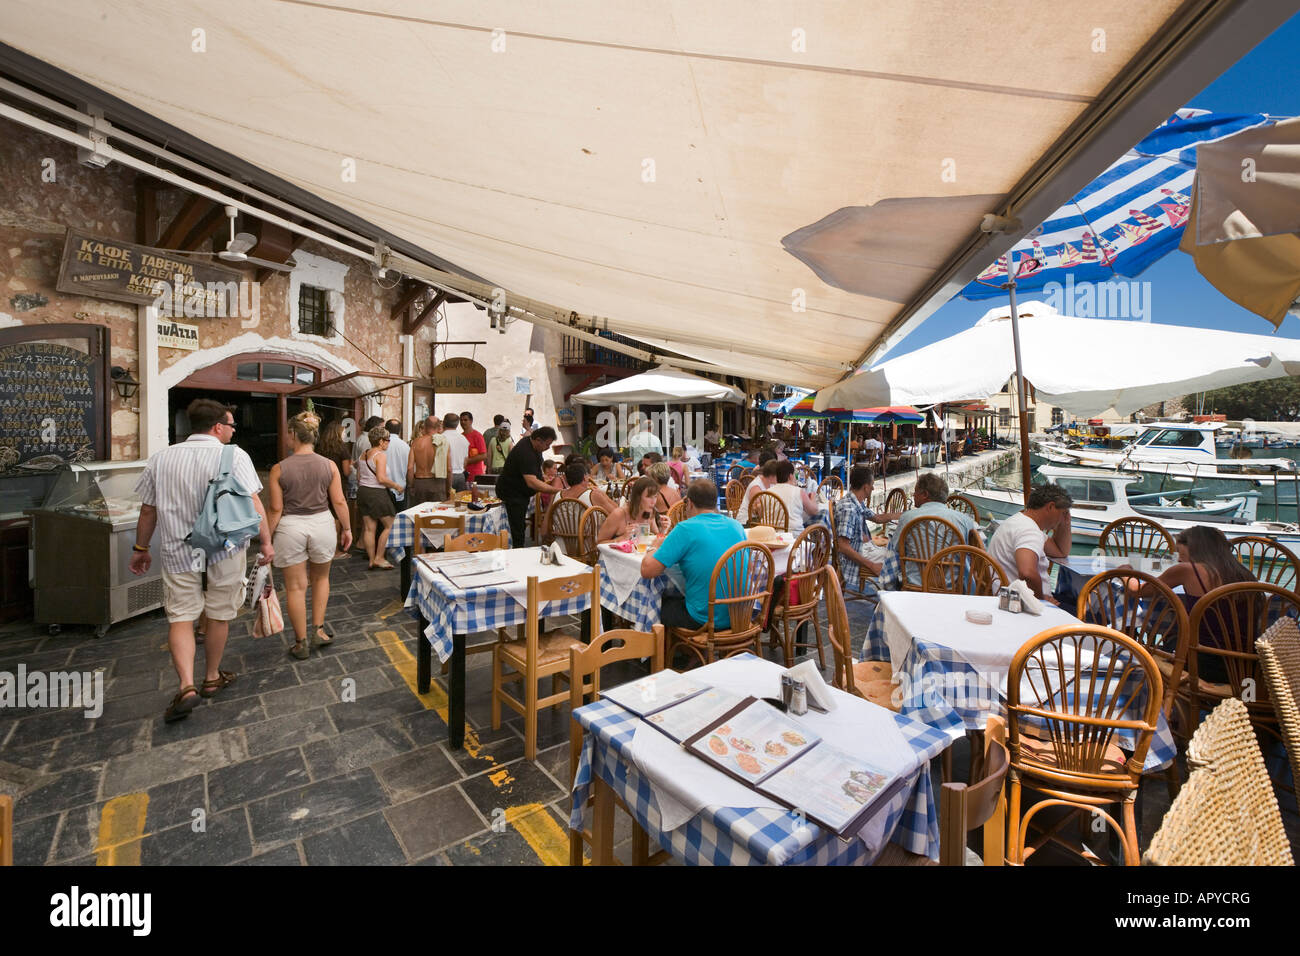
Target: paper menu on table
x,y
831,787
752,742
652,694
690,716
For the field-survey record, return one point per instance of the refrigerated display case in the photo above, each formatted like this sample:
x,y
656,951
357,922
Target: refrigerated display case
x,y
81,542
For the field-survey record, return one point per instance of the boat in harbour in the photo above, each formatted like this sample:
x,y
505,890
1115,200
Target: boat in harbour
x,y
1102,496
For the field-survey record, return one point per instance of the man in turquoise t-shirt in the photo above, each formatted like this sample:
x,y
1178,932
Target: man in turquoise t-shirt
x,y
695,544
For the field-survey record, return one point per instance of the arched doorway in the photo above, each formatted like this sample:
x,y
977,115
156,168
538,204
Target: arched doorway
x,y
258,385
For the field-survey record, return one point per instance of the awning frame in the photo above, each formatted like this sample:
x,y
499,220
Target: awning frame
x,y
398,380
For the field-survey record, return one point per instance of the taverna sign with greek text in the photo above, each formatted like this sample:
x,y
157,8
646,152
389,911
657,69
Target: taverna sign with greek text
x,y
460,375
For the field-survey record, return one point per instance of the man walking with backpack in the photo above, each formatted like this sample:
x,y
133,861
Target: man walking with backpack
x,y
204,574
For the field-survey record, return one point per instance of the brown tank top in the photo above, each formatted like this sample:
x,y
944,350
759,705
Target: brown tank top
x,y
305,484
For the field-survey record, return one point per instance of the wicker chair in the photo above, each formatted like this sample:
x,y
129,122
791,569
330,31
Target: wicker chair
x,y
1279,660
870,680
588,529
1235,615
1062,742
585,665
1136,536
734,472
962,569
831,489
800,593
740,590
1268,561
735,496
768,509
959,502
896,500
676,514
562,522
1226,813
921,540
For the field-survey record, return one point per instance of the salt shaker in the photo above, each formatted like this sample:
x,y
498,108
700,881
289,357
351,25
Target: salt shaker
x,y
798,698
1013,602
787,690
1004,599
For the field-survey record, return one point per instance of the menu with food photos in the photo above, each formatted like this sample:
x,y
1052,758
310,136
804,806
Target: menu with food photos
x,y
761,747
688,717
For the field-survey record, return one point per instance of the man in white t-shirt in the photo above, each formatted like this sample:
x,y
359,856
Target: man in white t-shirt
x,y
457,450
643,441
1021,545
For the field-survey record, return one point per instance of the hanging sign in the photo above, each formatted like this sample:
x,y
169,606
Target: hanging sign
x,y
566,416
174,335
523,386
460,375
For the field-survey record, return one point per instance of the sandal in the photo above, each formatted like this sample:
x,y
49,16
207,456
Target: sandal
x,y
223,680
326,641
299,650
182,704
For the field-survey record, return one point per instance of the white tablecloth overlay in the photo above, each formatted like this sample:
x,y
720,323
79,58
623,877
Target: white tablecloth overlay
x,y
683,784
941,619
521,564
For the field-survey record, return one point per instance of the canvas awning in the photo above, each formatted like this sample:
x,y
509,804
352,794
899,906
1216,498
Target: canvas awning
x,y
637,165
660,386
1085,366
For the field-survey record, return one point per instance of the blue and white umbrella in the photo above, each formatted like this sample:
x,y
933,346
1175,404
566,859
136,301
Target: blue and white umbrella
x,y
1125,219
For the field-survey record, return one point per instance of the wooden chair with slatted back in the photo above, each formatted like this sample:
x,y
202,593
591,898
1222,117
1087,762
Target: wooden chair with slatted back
x,y
870,680
1234,617
740,591
831,489
676,513
735,497
734,473
446,524
959,502
919,541
1226,814
585,665
964,807
962,569
1158,622
1136,536
1062,742
1268,561
539,515
478,541
768,509
1279,660
563,523
799,595
540,655
896,500
745,480
6,830
588,530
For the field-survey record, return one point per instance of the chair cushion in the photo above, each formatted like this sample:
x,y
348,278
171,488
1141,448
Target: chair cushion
x,y
1037,750
879,692
866,671
552,648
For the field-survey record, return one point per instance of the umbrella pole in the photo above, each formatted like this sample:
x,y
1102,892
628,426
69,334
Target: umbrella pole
x,y
1020,381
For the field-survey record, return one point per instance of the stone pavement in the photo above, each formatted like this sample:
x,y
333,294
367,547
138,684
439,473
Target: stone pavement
x,y
331,760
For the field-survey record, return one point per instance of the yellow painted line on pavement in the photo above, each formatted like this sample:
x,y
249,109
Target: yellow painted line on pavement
x,y
121,828
538,828
391,608
404,663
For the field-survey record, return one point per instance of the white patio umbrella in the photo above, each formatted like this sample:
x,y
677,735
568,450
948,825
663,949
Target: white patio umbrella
x,y
662,385
1085,366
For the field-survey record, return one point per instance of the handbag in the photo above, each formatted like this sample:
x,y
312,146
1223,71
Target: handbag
x,y
267,617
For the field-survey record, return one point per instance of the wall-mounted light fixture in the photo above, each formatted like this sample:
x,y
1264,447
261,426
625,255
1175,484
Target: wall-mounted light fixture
x,y
125,384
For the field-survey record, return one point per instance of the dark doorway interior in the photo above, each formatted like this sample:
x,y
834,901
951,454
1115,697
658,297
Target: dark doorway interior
x,y
257,419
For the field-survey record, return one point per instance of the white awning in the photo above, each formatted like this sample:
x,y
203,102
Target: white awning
x,y
1085,366
663,386
640,163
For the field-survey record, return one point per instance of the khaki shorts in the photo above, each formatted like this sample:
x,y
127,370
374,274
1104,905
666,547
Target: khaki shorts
x,y
300,538
184,597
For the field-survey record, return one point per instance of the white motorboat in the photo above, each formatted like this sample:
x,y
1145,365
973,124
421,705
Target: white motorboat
x,y
1101,496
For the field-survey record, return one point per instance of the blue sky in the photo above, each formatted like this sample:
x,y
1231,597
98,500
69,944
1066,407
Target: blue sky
x,y
1263,81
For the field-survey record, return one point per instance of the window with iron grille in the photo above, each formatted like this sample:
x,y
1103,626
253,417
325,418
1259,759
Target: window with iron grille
x,y
314,311
1058,416
1004,417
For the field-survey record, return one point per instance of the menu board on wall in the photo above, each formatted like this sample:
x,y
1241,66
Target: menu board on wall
x,y
51,399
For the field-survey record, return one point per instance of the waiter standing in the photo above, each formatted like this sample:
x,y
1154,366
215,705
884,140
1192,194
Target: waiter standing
x,y
521,478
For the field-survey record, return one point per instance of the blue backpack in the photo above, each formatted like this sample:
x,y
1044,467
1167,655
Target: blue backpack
x,y
228,517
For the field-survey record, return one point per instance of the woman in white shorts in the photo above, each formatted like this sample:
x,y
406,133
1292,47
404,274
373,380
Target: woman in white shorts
x,y
301,489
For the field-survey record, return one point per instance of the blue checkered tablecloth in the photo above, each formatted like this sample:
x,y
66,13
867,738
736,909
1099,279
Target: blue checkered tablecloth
x,y
449,611
491,521
643,604
733,836
890,577
937,686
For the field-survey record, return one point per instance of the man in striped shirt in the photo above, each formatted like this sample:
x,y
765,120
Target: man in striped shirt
x,y
171,490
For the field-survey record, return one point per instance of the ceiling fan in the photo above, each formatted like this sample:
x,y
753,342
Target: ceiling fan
x,y
237,248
